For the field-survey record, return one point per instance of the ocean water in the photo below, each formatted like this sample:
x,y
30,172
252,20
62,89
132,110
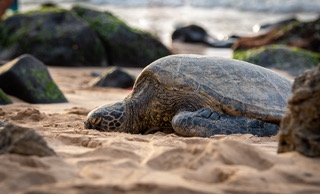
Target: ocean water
x,y
282,6
221,18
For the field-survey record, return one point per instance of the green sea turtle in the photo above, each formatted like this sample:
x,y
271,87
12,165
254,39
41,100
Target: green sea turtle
x,y
199,96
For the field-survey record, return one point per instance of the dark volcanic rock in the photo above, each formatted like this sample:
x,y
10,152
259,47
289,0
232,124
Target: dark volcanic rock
x,y
300,127
4,98
55,36
124,45
114,77
24,141
77,37
290,59
196,34
28,79
190,33
304,35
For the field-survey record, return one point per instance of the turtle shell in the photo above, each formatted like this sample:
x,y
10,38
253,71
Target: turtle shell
x,y
238,87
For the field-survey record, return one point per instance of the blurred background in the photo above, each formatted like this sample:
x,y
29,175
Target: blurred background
x,y
220,18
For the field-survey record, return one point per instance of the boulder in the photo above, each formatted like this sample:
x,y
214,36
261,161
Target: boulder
x,y
300,127
125,46
304,35
269,26
4,99
191,34
114,77
290,59
55,36
197,34
24,141
28,79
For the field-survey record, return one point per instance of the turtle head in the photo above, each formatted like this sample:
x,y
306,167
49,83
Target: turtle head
x,y
107,118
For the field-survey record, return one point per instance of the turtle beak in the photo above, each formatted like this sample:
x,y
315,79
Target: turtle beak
x,y
92,122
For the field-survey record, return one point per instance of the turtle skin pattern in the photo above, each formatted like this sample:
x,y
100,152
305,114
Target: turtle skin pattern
x,y
206,123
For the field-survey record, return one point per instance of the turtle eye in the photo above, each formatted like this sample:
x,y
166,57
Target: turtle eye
x,y
97,121
91,122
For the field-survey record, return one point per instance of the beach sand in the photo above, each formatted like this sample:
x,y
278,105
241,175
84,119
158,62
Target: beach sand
x,y
89,161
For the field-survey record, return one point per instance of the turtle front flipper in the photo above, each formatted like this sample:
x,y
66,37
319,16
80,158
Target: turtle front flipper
x,y
206,123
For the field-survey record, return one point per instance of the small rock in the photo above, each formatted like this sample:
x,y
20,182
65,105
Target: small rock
x,y
196,34
300,127
191,34
24,141
28,79
114,77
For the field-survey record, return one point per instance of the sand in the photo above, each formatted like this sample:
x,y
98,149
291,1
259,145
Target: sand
x,y
89,161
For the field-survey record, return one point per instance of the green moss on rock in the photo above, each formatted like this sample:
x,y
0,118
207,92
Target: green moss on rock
x,y
4,99
28,79
55,36
291,59
125,46
77,37
304,35
50,90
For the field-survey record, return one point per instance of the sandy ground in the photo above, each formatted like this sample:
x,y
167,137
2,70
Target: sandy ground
x,y
89,161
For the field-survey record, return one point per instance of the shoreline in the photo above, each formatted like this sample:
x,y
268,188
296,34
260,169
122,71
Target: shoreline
x,y
219,22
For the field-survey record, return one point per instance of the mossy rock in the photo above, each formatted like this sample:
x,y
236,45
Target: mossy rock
x,y
28,79
55,36
125,46
4,99
304,35
290,59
